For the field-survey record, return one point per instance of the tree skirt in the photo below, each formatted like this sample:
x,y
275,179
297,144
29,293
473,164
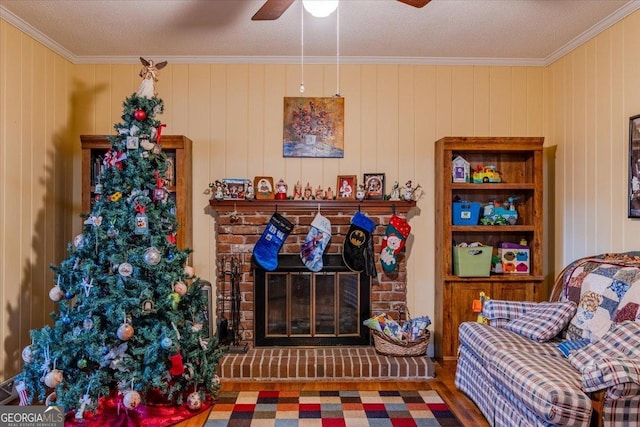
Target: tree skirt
x,y
112,413
330,409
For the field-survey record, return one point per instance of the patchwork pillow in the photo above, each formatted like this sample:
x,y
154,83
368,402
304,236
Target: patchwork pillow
x,y
566,347
607,296
543,322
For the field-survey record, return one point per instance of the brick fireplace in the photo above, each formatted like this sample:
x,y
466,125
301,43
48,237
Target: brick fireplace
x,y
239,224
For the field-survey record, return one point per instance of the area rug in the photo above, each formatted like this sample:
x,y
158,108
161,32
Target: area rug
x,y
422,408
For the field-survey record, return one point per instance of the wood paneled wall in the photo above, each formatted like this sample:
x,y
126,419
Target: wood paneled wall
x,y
590,94
233,114
37,150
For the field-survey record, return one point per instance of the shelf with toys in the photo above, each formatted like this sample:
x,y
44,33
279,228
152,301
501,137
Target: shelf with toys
x,y
488,193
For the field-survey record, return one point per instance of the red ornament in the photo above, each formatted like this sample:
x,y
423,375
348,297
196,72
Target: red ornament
x,y
139,115
177,367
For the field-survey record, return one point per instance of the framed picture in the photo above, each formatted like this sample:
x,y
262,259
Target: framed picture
x,y
313,127
346,187
374,186
234,188
263,187
634,166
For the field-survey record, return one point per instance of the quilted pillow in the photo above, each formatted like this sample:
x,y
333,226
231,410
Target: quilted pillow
x,y
608,294
544,321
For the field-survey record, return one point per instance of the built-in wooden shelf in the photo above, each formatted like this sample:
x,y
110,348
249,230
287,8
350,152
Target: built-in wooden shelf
x,y
371,207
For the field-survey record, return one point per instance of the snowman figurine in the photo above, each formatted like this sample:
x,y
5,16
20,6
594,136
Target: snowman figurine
x,y
408,191
250,193
360,192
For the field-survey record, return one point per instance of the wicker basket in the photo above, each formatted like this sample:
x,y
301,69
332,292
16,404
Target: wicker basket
x,y
387,346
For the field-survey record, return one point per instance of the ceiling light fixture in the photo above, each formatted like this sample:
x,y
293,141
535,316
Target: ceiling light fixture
x,y
320,8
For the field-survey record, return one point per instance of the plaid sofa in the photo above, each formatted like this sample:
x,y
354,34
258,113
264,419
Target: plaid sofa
x,y
572,361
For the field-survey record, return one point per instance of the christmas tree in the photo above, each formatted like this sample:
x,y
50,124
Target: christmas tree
x,y
130,324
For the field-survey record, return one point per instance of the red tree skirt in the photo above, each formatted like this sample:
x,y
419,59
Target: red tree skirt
x,y
112,413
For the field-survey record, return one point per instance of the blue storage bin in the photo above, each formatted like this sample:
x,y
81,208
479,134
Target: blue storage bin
x,y
466,213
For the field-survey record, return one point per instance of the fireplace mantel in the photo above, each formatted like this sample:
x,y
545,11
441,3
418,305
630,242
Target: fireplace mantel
x,y
371,207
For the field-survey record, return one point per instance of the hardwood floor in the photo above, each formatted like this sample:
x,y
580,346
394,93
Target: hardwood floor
x,y
443,383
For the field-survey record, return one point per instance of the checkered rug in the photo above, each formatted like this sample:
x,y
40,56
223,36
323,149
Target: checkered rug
x,y
330,409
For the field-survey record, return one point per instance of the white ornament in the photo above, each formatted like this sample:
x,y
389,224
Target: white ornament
x,y
125,269
27,354
152,256
194,402
166,343
131,399
78,241
56,293
53,378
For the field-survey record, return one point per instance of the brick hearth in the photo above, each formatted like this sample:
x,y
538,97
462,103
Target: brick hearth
x,y
239,225
323,363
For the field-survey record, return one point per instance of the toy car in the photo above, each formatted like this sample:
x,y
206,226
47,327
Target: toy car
x,y
484,174
497,214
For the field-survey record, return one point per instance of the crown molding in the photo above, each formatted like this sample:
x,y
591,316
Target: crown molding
x,y
587,35
36,34
317,60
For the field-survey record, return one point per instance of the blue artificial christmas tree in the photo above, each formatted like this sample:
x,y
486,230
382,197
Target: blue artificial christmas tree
x,y
130,328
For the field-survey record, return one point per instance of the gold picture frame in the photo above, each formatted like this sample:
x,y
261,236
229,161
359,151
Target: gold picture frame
x,y
346,186
263,187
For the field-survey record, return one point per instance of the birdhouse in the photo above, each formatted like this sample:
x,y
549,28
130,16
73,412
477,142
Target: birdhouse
x,y
460,170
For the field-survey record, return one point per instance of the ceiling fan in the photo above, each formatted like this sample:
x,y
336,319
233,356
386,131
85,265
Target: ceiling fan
x,y
272,9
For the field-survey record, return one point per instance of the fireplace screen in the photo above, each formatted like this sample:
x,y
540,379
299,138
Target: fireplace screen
x,y
306,308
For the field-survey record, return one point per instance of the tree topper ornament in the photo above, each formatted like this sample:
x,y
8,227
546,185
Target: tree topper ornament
x,y
149,74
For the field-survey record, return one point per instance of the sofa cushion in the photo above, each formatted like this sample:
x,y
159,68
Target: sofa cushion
x,y
548,386
621,342
603,373
607,293
544,321
484,340
596,361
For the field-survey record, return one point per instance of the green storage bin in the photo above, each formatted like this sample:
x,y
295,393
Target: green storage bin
x,y
472,261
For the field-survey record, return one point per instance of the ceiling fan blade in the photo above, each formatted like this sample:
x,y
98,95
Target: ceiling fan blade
x,y
415,3
272,9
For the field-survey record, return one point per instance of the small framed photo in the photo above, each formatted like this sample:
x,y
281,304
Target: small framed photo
x,y
374,186
132,143
346,187
263,187
234,188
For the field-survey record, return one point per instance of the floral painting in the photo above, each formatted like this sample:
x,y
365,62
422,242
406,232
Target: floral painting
x,y
313,127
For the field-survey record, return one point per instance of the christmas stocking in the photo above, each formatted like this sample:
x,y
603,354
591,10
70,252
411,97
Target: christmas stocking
x,y
356,252
316,242
265,252
395,236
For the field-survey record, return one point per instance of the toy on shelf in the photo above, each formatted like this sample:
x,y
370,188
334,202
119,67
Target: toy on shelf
x,y
485,174
500,213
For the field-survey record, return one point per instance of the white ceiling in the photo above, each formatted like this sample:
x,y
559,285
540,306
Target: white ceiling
x,y
510,32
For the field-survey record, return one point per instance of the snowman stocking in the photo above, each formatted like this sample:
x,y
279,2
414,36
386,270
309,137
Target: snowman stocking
x,y
316,242
395,236
265,252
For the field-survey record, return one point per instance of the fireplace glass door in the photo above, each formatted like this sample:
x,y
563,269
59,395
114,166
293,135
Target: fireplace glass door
x,y
307,308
